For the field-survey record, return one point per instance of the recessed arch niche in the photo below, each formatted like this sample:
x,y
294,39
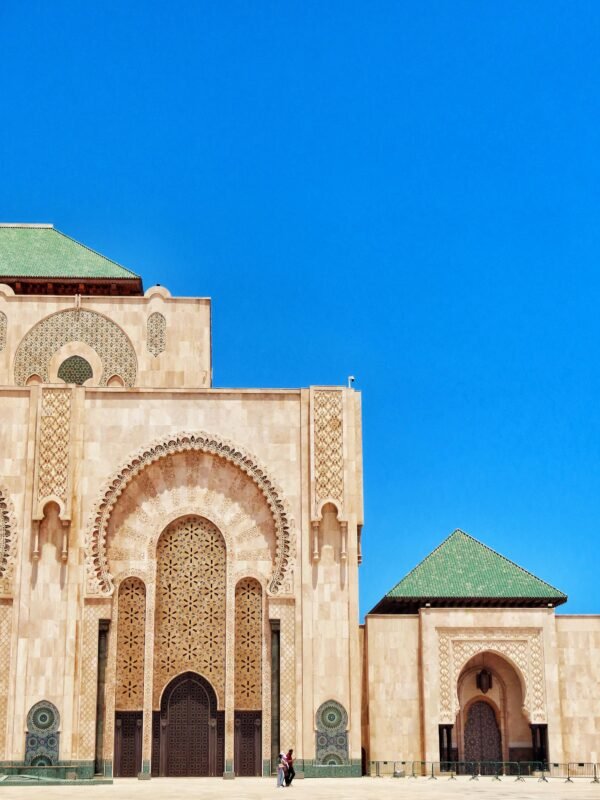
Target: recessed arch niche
x,y
190,474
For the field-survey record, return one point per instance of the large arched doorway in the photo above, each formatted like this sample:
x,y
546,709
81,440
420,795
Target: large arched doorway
x,y
191,729
482,734
491,723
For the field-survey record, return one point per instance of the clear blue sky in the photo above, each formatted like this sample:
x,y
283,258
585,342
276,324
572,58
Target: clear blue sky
x,y
405,192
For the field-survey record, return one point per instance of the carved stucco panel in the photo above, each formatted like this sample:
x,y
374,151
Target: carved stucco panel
x,y
131,634
104,336
89,682
328,446
186,479
5,639
285,612
8,543
53,462
156,334
523,647
3,329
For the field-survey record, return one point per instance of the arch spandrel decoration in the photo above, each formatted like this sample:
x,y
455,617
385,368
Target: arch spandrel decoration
x,y
99,579
522,647
100,333
8,543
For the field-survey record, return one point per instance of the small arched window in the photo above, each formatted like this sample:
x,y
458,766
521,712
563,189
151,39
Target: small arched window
x,y
75,369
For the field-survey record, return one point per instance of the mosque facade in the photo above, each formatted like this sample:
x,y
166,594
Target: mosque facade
x,y
179,564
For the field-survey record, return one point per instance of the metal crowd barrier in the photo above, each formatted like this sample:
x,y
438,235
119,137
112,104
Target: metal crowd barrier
x,y
496,770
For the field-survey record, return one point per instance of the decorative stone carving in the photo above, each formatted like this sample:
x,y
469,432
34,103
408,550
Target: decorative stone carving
x,y
3,329
328,446
76,325
99,578
130,645
248,645
6,610
189,631
92,614
8,543
42,737
331,722
156,334
53,466
523,647
285,612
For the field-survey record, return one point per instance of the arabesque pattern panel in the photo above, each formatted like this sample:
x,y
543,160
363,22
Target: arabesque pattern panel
x,y
157,334
76,325
328,445
130,646
54,443
248,645
190,605
5,636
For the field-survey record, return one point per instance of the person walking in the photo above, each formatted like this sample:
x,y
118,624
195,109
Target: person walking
x,y
281,770
291,772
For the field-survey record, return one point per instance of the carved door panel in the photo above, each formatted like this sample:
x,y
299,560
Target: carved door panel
x,y
187,731
482,735
128,744
247,743
189,740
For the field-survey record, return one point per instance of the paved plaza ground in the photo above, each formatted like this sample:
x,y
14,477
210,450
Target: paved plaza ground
x,y
315,789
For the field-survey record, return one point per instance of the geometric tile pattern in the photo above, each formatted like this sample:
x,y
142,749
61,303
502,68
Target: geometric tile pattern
x,y
332,733
76,325
189,631
42,737
328,444
462,567
75,369
130,646
54,443
248,645
157,334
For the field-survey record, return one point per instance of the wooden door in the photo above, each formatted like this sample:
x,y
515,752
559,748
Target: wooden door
x,y
128,744
248,743
188,732
482,735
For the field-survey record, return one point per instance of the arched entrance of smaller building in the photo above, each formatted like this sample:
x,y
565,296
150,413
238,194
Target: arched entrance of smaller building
x,y
491,725
189,741
482,734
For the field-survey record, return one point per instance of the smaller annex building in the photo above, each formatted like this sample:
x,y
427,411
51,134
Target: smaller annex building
x,y
466,660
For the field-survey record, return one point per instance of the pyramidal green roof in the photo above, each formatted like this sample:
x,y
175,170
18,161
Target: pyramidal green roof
x,y
41,251
462,568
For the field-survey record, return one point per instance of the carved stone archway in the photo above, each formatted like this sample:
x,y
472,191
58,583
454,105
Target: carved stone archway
x,y
521,647
99,579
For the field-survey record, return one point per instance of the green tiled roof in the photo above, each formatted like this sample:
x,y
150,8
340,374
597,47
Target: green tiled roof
x,y
40,251
462,567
